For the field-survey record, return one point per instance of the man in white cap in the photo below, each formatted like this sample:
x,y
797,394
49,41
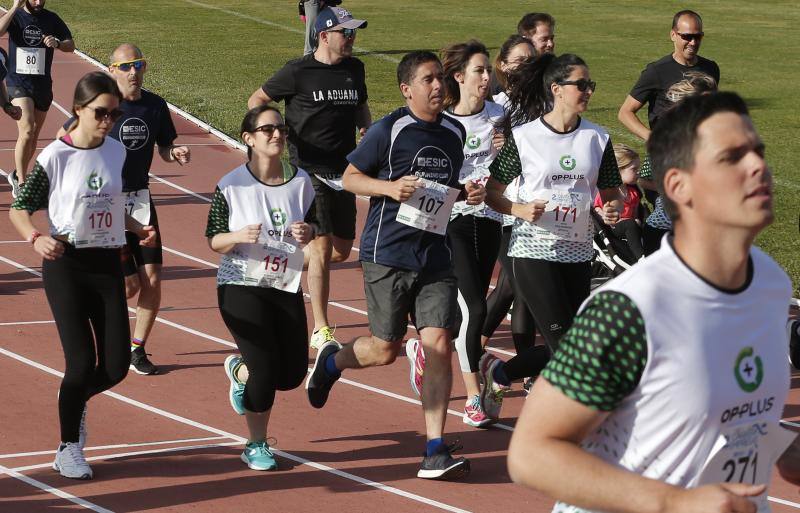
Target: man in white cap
x,y
326,103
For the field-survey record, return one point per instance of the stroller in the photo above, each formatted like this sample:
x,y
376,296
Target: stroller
x,y
612,256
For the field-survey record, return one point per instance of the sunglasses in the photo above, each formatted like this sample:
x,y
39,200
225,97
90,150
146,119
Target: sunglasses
x,y
269,129
101,113
348,33
689,37
581,84
137,64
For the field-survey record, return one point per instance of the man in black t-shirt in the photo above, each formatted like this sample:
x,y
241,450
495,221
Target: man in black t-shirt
x,y
658,76
326,101
33,35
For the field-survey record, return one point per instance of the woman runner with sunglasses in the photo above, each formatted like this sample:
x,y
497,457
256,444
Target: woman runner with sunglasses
x,y
78,179
563,161
261,214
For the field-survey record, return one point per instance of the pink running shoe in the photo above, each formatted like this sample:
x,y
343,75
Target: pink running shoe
x,y
416,358
474,415
492,392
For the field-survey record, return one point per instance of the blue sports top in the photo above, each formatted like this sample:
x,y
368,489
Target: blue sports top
x,y
398,145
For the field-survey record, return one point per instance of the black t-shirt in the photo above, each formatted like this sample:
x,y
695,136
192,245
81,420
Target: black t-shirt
x,y
26,33
144,123
321,105
3,64
657,78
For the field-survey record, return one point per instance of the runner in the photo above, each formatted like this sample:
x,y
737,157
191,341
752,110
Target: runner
x,y
563,161
145,123
78,179
687,35
261,213
539,29
515,50
9,108
658,223
678,408
309,9
474,231
326,102
408,164
33,34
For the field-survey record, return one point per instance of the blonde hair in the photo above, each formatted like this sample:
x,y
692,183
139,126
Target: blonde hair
x,y
625,155
694,82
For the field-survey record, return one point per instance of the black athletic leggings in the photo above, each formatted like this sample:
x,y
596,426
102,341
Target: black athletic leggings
x,y
652,238
474,242
86,293
553,291
523,328
269,327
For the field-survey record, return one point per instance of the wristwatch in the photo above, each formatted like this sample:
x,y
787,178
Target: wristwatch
x,y
33,236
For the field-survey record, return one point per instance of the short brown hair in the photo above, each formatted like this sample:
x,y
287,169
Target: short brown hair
x,y
529,22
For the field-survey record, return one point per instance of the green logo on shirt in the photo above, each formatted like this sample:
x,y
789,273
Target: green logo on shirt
x,y
749,370
278,217
473,141
567,163
94,182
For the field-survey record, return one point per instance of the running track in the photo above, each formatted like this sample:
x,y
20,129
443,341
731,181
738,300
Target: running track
x,y
171,442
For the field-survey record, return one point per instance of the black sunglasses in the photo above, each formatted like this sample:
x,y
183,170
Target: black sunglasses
x,y
688,37
101,113
581,84
348,33
269,129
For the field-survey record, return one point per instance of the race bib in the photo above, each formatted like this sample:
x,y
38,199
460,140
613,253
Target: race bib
x,y
137,205
276,264
30,61
429,207
333,183
99,222
747,454
566,216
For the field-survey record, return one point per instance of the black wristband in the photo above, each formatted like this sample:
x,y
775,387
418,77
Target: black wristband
x,y
58,43
7,104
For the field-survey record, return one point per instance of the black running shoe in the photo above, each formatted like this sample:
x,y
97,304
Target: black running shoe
x,y
443,466
319,383
794,343
141,364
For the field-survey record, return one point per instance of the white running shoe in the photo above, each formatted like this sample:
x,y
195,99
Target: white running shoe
x,y
71,463
321,337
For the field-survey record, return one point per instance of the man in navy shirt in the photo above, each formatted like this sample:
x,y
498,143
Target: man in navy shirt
x,y
33,35
144,124
408,164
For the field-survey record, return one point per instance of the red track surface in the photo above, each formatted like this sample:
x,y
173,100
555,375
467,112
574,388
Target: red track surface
x,y
359,454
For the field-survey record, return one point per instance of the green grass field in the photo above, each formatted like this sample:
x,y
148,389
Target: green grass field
x,y
208,57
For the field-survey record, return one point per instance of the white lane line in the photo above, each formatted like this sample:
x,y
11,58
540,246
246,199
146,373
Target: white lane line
x,y
24,323
116,446
233,345
284,27
134,453
220,432
53,491
182,189
12,241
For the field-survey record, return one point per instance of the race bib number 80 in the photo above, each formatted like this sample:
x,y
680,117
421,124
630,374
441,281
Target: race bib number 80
x,y
30,61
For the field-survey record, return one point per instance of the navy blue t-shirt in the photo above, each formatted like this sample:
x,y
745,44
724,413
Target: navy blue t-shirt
x,y
28,31
399,145
144,123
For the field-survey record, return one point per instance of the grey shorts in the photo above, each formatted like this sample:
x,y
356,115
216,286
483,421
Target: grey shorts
x,y
393,294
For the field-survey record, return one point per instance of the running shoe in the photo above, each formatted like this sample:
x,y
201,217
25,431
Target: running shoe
x,y
82,433
321,337
258,456
141,364
443,466
71,463
492,392
794,342
527,385
236,392
319,383
14,183
473,413
416,358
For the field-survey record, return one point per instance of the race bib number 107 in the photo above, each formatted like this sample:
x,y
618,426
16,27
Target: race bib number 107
x,y
429,207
